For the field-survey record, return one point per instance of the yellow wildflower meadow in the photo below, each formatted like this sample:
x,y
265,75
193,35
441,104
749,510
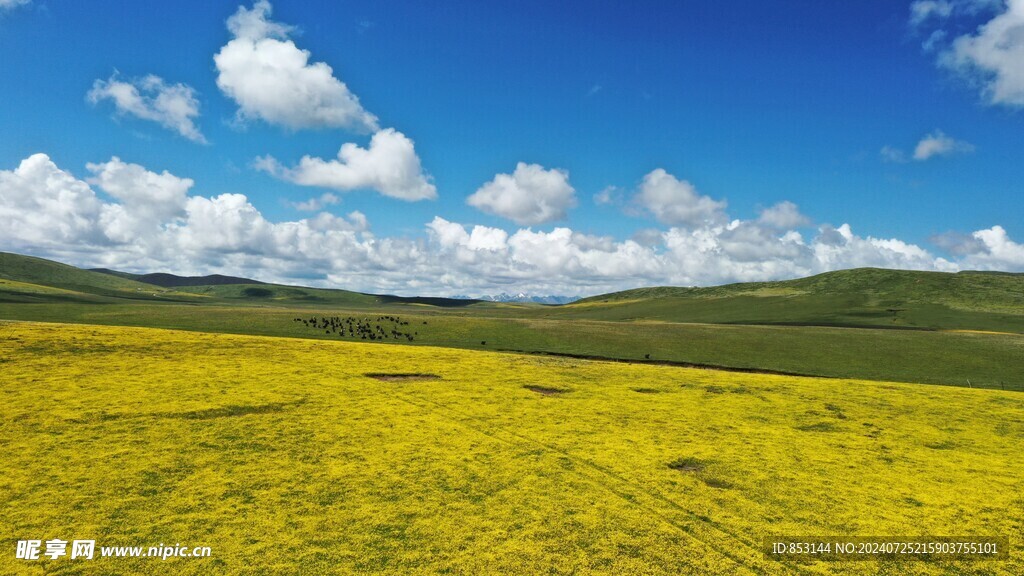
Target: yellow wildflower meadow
x,y
290,456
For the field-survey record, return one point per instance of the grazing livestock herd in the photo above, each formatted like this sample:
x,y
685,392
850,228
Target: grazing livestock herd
x,y
380,328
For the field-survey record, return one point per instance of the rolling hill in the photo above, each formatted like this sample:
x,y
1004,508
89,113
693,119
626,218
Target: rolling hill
x,y
862,297
173,280
31,279
856,298
962,329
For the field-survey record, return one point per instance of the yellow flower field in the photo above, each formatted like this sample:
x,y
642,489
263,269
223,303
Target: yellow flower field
x,y
284,457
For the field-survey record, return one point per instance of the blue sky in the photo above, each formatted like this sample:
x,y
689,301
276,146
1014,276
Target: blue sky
x,y
750,103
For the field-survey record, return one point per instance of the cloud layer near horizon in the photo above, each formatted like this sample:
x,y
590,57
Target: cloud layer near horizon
x,y
149,221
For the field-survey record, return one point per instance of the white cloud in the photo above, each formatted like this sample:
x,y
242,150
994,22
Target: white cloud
x,y
389,165
991,58
162,195
938,144
607,196
530,195
9,4
924,10
677,202
957,243
146,199
151,221
565,261
271,79
992,249
893,154
783,215
934,40
153,224
316,204
938,12
45,207
174,106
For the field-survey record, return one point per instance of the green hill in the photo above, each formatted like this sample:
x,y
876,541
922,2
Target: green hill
x,y
862,297
798,327
271,293
173,280
27,278
277,293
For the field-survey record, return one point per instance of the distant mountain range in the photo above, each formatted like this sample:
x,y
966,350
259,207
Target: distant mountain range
x,y
166,280
524,297
173,281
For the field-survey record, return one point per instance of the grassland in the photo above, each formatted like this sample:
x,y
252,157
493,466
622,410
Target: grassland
x,y
864,298
962,329
933,357
27,279
284,457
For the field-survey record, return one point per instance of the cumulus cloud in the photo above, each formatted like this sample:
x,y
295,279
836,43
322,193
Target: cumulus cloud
x,y
783,215
571,262
316,204
992,57
173,106
153,223
146,221
146,199
677,202
995,56
999,252
957,243
271,79
530,195
389,165
45,207
161,195
989,249
938,144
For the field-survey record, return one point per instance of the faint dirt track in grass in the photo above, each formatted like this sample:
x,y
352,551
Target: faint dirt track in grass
x,y
701,529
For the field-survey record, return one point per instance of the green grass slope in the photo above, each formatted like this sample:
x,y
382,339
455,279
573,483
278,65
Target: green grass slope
x,y
27,279
277,294
941,357
799,327
863,297
33,279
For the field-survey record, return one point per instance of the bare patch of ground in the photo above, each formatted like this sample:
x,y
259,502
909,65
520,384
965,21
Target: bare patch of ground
x,y
545,390
688,464
401,376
